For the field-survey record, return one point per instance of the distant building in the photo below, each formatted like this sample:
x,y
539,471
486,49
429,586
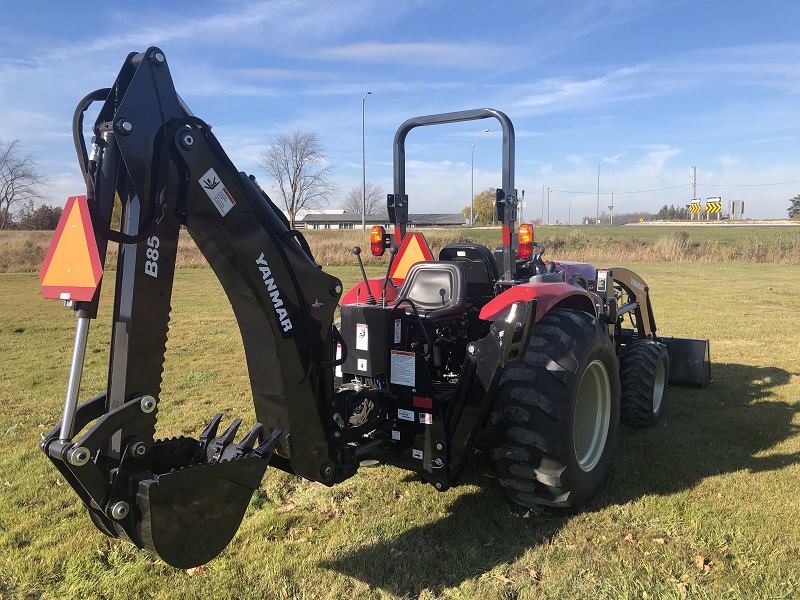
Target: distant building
x,y
344,220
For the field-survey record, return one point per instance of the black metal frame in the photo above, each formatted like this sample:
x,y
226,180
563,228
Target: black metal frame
x,y
506,199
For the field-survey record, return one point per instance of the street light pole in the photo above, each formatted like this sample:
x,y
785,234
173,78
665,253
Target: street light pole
x,y
472,180
597,217
363,169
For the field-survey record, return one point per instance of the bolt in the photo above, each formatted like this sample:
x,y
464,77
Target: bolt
x,y
78,456
148,404
120,510
471,349
439,446
138,449
125,126
159,58
336,434
327,471
438,485
187,140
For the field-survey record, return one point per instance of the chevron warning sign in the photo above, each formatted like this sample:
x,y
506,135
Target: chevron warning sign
x,y
694,207
714,206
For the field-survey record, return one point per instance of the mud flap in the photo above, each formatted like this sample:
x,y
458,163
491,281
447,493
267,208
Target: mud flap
x,y
689,361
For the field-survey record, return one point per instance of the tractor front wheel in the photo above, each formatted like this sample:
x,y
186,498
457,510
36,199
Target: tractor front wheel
x,y
644,371
555,422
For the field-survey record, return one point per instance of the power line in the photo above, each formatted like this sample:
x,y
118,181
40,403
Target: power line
x,y
746,184
674,187
630,192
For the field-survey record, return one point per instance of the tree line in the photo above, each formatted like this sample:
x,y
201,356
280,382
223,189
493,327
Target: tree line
x,y
301,180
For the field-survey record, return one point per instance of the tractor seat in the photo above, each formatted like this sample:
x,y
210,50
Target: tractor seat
x,y
437,289
480,269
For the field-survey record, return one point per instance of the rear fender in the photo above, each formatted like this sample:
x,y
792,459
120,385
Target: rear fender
x,y
547,295
359,294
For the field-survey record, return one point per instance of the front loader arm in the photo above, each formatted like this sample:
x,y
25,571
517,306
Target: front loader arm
x,y
183,498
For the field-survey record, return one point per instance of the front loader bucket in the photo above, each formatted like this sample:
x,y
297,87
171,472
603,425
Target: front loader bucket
x,y
689,361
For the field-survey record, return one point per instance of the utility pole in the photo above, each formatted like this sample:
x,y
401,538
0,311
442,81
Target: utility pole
x,y
694,181
611,208
363,169
548,205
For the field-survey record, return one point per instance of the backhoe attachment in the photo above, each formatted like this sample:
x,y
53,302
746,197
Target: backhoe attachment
x,y
183,499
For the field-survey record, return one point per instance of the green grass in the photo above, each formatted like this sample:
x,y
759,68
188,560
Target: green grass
x,y
706,504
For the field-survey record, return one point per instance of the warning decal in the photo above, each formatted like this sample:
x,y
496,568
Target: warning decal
x,y
362,336
217,192
402,368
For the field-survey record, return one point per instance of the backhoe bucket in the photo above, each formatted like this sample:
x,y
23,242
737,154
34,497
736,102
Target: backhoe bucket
x,y
689,361
191,496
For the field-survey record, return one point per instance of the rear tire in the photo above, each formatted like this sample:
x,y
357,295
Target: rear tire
x,y
555,421
644,372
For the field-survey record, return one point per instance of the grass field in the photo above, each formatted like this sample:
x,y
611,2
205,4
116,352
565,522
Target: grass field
x,y
704,505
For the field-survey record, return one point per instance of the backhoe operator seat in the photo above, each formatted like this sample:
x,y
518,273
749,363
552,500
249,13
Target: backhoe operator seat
x,y
437,289
480,269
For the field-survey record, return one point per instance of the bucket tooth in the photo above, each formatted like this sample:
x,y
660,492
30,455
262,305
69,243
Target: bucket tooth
x,y
266,447
245,446
217,447
211,430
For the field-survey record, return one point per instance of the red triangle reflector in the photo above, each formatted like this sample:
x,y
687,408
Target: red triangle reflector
x,y
71,268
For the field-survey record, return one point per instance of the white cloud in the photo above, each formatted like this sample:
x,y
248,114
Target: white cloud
x,y
431,54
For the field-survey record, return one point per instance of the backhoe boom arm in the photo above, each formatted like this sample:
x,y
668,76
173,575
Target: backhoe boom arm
x,y
169,171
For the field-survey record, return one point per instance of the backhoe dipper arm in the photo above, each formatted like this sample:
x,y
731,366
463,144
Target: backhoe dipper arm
x,y
183,498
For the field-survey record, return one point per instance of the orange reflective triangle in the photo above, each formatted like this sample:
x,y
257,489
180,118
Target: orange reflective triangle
x,y
414,249
71,268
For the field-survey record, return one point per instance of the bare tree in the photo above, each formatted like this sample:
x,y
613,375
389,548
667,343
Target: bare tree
x,y
296,163
20,180
376,200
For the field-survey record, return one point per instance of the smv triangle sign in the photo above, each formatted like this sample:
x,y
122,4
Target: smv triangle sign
x,y
71,268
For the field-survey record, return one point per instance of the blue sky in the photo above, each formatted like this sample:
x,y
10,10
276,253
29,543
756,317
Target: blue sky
x,y
665,85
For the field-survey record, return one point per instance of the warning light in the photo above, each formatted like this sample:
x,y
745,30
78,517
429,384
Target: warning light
x,y
525,242
377,237
71,268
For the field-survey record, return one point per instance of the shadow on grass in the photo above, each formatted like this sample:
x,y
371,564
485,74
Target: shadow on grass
x,y
704,433
722,429
482,530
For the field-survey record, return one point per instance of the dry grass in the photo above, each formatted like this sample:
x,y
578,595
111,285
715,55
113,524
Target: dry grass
x,y
23,252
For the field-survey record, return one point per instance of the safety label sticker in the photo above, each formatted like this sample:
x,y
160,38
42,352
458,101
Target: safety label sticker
x,y
416,453
395,435
426,418
402,368
362,364
405,415
217,192
362,336
398,331
338,372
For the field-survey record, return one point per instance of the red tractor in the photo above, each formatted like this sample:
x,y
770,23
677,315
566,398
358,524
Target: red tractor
x,y
539,360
